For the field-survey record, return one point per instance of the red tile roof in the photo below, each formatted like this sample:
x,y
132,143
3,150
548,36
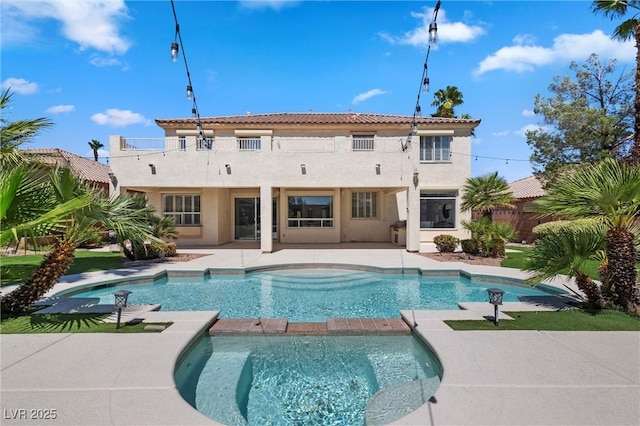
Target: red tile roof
x,y
529,187
317,119
85,168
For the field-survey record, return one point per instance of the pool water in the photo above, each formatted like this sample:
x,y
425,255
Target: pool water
x,y
311,295
310,380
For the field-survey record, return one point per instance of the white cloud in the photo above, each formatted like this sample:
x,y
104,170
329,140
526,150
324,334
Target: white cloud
x,y
99,61
566,47
501,133
118,118
448,32
528,128
90,23
266,4
59,109
366,95
528,113
20,86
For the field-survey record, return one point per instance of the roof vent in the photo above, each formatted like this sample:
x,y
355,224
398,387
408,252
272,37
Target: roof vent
x,y
248,112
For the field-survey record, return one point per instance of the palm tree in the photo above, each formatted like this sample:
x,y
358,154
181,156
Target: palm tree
x,y
567,252
118,214
95,146
446,100
13,134
485,193
627,30
610,192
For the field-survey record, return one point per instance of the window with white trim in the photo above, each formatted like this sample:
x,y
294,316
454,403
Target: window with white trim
x,y
184,208
364,205
248,143
362,142
183,143
435,148
437,210
310,212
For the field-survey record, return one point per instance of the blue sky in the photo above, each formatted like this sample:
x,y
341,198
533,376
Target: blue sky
x,y
99,68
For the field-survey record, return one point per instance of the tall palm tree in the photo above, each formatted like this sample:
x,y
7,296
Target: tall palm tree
x,y
13,134
446,100
118,214
95,146
567,252
627,30
486,193
609,191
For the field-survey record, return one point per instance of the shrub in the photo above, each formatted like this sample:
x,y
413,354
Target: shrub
x,y
446,243
470,246
92,239
555,227
171,250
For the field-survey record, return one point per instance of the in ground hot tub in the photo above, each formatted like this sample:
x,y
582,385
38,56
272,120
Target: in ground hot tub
x,y
311,380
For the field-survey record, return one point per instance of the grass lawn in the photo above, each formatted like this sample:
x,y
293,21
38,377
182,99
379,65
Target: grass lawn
x,y
68,323
15,269
519,258
571,320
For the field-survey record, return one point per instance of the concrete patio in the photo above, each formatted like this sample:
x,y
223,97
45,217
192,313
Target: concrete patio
x,y
490,377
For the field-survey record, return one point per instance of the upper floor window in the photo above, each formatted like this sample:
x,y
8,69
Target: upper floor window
x,y
183,143
364,205
435,148
362,143
248,143
206,143
185,208
307,211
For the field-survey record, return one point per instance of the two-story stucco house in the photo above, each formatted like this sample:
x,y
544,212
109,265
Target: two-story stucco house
x,y
302,177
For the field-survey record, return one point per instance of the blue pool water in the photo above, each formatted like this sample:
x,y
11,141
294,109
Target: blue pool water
x,y
310,295
308,380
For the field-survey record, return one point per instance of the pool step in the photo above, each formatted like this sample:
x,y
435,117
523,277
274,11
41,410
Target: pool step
x,y
333,326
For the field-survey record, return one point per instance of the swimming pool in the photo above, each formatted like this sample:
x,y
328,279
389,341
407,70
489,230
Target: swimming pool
x,y
311,295
310,380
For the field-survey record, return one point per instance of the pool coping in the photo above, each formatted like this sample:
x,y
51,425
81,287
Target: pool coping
x,y
58,371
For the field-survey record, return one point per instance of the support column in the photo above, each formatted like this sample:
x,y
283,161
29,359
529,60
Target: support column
x,y
413,218
266,219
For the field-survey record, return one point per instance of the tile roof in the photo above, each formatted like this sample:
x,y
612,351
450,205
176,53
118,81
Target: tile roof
x,y
529,187
86,169
286,118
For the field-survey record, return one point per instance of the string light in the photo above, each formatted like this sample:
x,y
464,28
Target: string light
x,y
424,80
178,46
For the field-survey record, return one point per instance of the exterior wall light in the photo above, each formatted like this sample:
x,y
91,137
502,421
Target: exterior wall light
x,y
416,180
120,302
228,167
377,169
495,298
303,168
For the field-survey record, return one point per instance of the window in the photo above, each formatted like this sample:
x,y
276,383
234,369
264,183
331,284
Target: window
x,y
437,210
183,143
362,143
364,205
435,148
312,212
205,144
184,208
248,143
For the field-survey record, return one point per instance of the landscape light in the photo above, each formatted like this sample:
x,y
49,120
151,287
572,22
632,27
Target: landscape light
x,y
120,302
495,298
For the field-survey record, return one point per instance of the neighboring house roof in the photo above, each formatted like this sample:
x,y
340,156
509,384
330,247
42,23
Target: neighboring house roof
x,y
529,187
289,118
86,169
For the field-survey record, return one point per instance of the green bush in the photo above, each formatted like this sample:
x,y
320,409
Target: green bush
x,y
446,243
545,229
470,246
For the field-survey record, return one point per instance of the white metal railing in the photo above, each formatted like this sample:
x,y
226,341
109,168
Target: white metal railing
x,y
362,143
309,223
248,143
